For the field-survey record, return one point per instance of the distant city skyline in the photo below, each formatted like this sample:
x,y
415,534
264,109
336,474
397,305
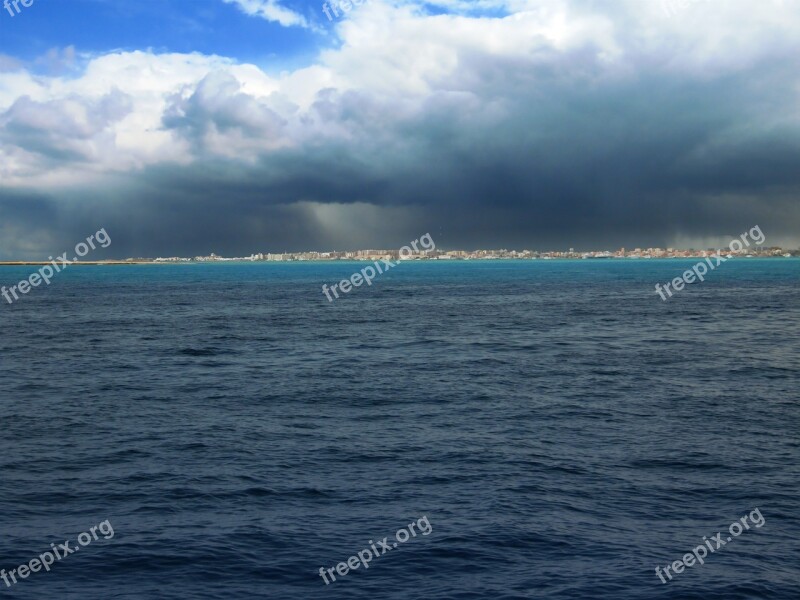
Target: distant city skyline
x,y
376,254
654,252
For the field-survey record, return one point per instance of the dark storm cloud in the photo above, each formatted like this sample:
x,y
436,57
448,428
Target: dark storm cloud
x,y
568,166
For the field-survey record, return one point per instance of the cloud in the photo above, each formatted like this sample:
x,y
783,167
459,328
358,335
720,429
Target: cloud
x,y
526,124
216,112
9,63
65,129
58,60
271,10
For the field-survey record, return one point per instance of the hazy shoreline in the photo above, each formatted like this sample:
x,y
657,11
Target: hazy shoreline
x,y
119,263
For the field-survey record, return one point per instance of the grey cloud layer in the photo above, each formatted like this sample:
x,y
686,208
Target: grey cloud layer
x,y
544,148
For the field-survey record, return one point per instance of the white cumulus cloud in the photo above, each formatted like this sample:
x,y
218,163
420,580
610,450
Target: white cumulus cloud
x,y
271,10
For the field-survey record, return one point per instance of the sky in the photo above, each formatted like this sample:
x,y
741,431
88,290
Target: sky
x,y
186,127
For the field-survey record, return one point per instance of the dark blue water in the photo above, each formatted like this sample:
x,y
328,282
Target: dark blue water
x,y
563,430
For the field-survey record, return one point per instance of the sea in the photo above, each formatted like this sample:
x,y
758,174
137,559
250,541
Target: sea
x,y
561,429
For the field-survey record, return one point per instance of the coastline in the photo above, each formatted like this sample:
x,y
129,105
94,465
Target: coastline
x,y
88,263
119,263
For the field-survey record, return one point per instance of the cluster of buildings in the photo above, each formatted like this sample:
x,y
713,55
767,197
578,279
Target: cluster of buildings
x,y
754,251
373,255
